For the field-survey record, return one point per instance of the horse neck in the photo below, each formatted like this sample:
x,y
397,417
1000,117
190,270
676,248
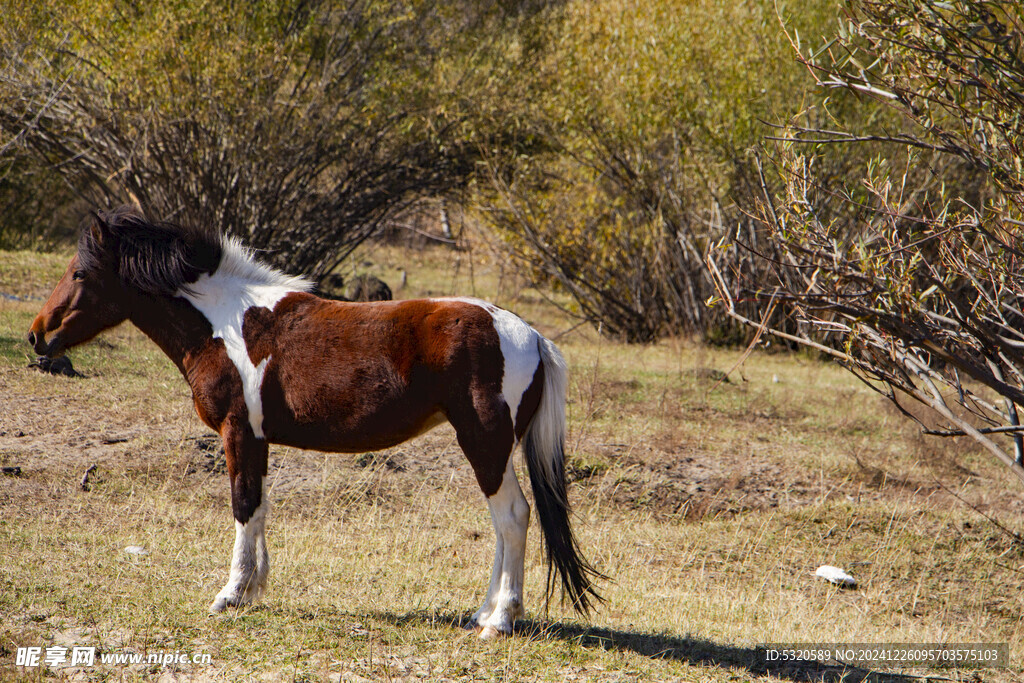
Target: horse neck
x,y
174,325
183,325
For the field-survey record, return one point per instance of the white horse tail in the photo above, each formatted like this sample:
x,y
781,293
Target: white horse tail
x,y
544,447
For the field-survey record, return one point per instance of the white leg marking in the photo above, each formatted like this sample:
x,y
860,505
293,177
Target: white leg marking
x,y
250,563
511,516
252,383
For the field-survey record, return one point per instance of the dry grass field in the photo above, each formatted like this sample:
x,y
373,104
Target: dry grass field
x,y
709,504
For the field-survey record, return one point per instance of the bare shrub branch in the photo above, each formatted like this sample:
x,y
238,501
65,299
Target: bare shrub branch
x,y
913,277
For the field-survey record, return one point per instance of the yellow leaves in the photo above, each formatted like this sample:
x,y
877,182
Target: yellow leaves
x,y
144,50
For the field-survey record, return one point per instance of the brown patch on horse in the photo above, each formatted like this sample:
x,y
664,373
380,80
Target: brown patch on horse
x,y
246,458
322,391
482,421
186,337
258,329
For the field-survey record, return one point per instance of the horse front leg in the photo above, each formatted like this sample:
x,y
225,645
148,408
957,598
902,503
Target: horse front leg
x,y
247,467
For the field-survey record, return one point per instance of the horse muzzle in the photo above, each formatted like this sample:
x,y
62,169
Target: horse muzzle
x,y
37,340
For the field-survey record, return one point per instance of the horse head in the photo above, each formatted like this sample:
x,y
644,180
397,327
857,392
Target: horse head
x,y
124,262
89,298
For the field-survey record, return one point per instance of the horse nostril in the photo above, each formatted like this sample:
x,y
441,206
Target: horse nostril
x,y
32,339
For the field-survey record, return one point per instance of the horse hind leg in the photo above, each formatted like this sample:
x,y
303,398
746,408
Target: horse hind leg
x,y
510,514
488,428
486,436
250,562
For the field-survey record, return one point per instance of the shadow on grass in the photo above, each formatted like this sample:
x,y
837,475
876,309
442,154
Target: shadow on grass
x,y
694,651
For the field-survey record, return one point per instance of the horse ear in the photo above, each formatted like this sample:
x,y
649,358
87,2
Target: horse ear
x,y
99,229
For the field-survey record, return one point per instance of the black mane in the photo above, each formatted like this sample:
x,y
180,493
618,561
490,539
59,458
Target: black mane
x,y
154,257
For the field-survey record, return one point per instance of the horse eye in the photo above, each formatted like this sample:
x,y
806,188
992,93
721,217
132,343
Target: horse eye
x,y
78,275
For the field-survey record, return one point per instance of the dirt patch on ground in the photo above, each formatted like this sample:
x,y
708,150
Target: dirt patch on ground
x,y
699,460
693,483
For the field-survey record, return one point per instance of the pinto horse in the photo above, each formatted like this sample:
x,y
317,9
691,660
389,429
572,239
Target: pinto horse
x,y
269,362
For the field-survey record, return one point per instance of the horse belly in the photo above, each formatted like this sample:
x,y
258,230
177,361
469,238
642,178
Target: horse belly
x,y
338,438
349,415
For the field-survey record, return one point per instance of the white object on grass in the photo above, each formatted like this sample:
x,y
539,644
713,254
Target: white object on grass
x,y
136,550
835,575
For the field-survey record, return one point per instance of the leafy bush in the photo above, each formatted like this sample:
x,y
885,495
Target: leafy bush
x,y
37,207
649,113
298,125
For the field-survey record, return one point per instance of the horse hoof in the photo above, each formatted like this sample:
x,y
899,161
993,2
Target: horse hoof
x,y
491,633
221,604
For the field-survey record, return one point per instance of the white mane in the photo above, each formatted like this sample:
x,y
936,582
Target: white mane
x,y
238,262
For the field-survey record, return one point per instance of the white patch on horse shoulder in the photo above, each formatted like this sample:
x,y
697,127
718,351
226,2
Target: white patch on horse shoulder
x,y
223,297
518,349
252,384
